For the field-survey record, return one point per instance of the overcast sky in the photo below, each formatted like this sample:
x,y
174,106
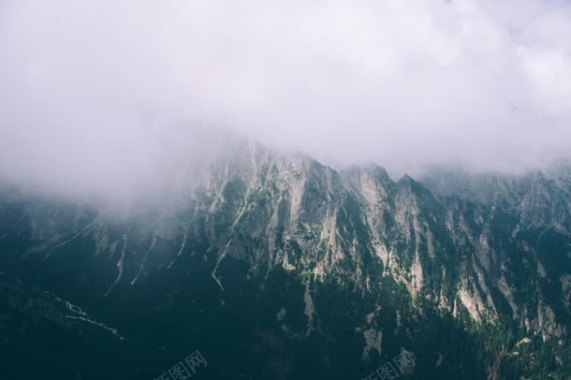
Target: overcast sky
x,y
95,92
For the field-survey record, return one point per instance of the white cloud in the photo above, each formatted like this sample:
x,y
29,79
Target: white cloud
x,y
102,88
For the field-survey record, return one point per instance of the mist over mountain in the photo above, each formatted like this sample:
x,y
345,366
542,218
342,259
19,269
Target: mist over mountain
x,y
285,190
101,96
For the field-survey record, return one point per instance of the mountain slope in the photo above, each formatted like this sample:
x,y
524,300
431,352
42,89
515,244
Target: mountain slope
x,y
280,267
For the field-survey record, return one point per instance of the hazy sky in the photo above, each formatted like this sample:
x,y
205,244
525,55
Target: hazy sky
x,y
105,94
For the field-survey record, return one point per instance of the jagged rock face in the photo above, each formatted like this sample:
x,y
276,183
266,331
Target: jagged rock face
x,y
496,253
489,257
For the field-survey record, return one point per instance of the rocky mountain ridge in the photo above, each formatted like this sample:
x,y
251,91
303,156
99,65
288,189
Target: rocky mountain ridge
x,y
499,256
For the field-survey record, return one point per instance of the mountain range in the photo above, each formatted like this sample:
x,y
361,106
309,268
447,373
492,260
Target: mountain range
x,y
275,266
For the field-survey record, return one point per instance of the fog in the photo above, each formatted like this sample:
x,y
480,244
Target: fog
x,y
108,96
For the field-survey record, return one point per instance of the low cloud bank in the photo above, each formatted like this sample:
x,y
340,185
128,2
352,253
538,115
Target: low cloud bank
x,y
108,96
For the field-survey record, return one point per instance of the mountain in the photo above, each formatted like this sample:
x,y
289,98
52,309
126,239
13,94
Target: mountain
x,y
274,266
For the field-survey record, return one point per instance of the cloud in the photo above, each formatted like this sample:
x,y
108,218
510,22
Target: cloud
x,y
99,95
